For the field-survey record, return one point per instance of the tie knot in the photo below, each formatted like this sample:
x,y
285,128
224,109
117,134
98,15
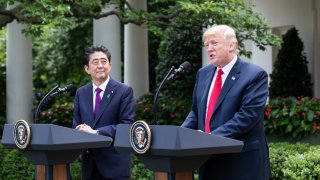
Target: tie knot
x,y
220,72
98,90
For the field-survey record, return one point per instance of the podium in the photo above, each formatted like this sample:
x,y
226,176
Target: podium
x,y
175,151
52,148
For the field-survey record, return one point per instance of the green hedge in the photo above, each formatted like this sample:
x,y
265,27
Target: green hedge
x,y
294,161
13,165
288,161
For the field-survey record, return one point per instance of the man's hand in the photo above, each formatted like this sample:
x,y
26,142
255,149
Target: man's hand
x,y
86,128
202,131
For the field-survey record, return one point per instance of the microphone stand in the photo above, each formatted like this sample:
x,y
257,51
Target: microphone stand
x,y
44,99
155,99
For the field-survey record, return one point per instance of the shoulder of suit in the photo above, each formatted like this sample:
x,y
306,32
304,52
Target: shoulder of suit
x,y
85,87
207,68
118,83
249,65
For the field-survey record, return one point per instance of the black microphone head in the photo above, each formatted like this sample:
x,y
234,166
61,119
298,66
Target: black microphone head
x,y
70,87
186,66
64,90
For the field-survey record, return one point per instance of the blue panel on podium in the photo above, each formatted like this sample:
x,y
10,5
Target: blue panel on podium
x,y
53,144
176,149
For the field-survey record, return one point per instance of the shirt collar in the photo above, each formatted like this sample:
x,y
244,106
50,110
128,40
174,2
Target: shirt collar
x,y
103,86
227,68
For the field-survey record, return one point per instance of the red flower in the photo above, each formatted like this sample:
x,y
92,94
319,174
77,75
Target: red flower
x,y
173,116
267,113
316,127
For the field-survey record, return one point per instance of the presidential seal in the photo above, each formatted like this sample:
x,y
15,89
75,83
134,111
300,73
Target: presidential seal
x,y
21,134
140,137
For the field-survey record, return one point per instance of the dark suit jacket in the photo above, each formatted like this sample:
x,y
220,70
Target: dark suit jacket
x,y
238,114
117,106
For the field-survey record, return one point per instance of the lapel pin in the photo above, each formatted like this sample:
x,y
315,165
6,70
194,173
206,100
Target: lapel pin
x,y
233,78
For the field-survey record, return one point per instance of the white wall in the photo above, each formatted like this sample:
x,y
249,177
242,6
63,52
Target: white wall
x,y
286,13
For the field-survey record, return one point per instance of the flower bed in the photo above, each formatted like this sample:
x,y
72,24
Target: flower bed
x,y
292,117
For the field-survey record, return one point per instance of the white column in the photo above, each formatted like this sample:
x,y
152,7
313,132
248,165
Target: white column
x,y
19,74
107,32
205,58
136,54
316,48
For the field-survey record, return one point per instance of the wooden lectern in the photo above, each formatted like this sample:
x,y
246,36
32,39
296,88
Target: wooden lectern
x,y
52,148
175,151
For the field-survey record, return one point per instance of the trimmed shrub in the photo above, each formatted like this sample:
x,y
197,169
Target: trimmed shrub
x,y
303,166
294,161
290,76
15,166
288,161
139,171
279,154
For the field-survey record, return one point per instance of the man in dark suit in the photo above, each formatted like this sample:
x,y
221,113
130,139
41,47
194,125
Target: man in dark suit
x,y
99,112
229,97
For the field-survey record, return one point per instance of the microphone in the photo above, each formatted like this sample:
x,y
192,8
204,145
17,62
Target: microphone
x,y
68,88
171,74
54,91
184,67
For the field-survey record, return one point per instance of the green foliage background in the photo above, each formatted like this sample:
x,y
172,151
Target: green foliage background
x,y
3,85
180,45
58,54
61,32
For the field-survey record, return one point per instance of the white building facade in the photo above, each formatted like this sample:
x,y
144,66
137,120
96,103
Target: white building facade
x,y
283,15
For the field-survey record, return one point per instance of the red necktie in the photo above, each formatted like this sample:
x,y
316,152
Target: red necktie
x,y
213,99
98,101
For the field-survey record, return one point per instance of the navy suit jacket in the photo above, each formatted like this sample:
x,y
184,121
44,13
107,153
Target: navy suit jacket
x,y
238,114
117,106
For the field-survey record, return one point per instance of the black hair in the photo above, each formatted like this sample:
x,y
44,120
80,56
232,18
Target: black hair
x,y
95,48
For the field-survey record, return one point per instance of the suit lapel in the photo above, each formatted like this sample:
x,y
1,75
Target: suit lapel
x,y
207,83
229,82
107,96
89,100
